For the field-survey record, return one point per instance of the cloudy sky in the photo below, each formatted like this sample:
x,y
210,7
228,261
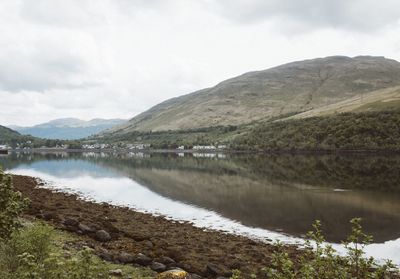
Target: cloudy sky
x,y
117,58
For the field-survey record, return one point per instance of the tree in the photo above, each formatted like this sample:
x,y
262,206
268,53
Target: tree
x,y
11,206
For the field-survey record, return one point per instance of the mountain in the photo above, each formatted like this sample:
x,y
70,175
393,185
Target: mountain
x,y
367,82
7,135
69,128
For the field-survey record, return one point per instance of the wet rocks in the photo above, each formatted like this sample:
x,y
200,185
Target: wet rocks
x,y
85,229
217,270
137,237
158,267
125,258
103,236
142,259
70,222
167,261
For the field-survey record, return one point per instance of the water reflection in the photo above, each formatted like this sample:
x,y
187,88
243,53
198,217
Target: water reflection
x,y
277,193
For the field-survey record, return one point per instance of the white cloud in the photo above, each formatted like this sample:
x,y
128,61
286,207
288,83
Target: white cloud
x,y
116,58
355,15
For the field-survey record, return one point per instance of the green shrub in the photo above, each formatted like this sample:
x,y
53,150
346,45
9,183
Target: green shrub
x,y
29,252
321,261
32,253
11,206
30,245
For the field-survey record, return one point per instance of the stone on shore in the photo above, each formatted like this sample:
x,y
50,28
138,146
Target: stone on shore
x,y
103,236
158,267
125,258
174,274
71,222
85,229
217,270
142,259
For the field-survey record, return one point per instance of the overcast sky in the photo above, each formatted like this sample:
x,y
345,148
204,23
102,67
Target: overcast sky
x,y
117,58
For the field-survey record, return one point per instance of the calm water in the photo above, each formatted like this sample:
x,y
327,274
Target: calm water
x,y
270,197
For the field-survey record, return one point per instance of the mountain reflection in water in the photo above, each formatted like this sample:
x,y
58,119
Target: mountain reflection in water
x,y
280,193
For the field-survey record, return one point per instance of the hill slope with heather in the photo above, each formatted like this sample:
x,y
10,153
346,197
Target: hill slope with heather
x,y
295,88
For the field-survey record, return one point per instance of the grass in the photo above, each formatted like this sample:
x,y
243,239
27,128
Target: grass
x,y
40,251
61,238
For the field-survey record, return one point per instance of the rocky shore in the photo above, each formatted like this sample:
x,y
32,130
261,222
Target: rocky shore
x,y
121,235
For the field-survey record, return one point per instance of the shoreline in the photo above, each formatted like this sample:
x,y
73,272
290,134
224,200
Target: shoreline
x,y
200,251
342,152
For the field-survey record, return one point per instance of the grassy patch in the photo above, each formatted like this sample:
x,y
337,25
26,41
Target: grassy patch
x,y
40,251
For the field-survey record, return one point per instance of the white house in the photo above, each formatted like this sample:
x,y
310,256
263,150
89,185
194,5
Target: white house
x,y
204,147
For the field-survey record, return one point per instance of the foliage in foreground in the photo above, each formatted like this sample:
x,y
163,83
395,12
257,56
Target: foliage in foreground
x,y
30,253
35,251
321,261
11,206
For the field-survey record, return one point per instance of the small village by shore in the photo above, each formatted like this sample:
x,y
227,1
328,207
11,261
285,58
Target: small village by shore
x,y
105,147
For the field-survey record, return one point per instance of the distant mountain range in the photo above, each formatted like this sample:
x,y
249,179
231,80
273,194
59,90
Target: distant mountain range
x,y
301,89
68,128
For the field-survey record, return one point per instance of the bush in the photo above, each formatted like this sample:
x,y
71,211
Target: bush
x,y
28,252
11,206
31,253
321,261
31,244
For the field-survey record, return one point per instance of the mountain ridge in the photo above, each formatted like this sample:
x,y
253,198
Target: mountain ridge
x,y
292,88
68,128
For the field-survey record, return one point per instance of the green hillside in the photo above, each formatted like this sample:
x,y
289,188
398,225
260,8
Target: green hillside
x,y
375,130
7,135
346,131
294,88
14,139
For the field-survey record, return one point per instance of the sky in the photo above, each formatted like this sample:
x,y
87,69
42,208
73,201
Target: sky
x,y
117,58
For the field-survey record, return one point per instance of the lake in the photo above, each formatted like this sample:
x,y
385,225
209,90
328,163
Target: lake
x,y
267,197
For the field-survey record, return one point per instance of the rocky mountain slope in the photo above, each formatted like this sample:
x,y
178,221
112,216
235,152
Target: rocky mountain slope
x,y
69,128
290,89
